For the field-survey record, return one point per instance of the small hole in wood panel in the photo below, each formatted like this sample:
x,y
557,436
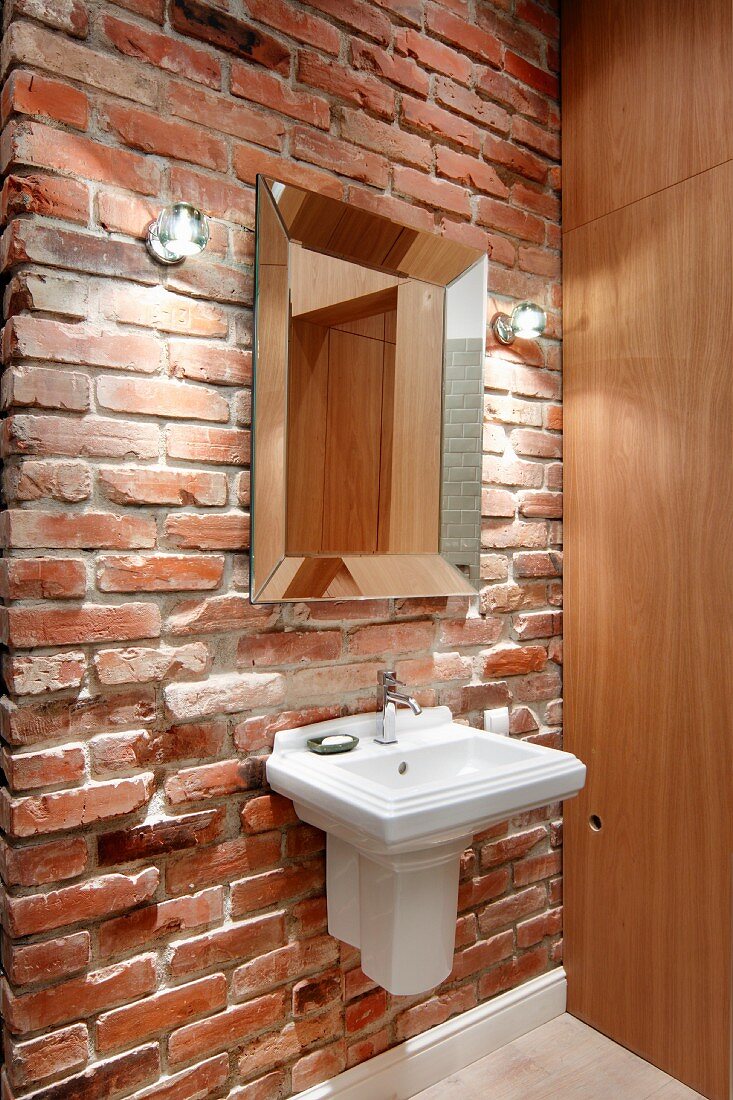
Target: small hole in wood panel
x,y
595,823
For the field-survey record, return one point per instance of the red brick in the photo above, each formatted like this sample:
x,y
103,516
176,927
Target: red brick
x,y
433,54
30,94
199,20
153,134
363,1049
45,962
536,77
222,366
359,88
469,172
273,887
143,748
367,641
153,922
289,1042
125,1072
545,505
259,732
214,780
444,124
513,972
38,338
216,613
49,1055
223,946
249,162
43,578
219,532
33,145
222,862
392,207
535,137
47,768
276,95
141,665
480,631
24,725
284,964
162,50
296,24
536,868
365,1012
27,674
45,195
49,813
161,837
533,931
160,1013
433,1012
544,624
398,70
157,397
198,444
93,436
154,307
216,197
288,648
339,156
511,660
203,1080
79,997
394,143
269,811
440,667
45,388
40,626
225,1030
509,910
315,993
432,191
470,38
319,1066
158,572
43,863
43,49
478,890
69,16
219,113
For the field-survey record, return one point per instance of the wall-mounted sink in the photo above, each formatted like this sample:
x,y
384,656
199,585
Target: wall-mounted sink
x,y
397,819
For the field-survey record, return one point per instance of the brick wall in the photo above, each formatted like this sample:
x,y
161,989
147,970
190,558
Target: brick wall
x,y
164,924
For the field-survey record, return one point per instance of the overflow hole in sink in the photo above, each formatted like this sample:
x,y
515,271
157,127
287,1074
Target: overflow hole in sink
x,y
402,768
595,823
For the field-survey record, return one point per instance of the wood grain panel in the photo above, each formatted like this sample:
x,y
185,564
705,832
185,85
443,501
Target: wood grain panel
x,y
411,499
307,404
365,575
647,95
353,440
648,384
319,282
268,541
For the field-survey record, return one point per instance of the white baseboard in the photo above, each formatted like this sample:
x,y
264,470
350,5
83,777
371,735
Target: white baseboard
x,y
412,1066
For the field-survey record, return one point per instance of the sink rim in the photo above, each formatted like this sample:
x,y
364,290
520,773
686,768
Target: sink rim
x,y
292,763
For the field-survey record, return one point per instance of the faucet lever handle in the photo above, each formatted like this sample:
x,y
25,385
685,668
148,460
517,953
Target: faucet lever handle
x,y
388,678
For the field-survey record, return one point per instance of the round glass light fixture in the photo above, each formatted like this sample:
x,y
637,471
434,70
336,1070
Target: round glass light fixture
x,y
526,321
179,231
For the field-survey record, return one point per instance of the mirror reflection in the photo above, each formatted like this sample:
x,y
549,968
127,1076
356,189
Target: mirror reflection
x,y
368,404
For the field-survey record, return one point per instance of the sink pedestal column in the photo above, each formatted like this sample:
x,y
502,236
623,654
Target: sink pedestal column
x,y
400,910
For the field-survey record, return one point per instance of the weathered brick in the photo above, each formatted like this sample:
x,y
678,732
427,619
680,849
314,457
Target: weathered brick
x,y
226,1029
27,479
41,626
199,20
94,436
152,922
159,572
47,768
163,51
24,725
270,888
43,578
224,531
159,397
143,665
115,752
40,864
344,83
160,1013
46,961
223,861
52,1054
146,485
70,809
224,946
30,94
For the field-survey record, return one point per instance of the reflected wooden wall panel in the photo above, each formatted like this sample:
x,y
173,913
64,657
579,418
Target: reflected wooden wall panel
x,y
307,406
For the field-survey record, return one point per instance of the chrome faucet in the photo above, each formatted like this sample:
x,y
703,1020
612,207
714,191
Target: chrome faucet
x,y
388,699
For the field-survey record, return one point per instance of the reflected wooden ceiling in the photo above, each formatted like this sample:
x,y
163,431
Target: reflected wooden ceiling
x,y
327,225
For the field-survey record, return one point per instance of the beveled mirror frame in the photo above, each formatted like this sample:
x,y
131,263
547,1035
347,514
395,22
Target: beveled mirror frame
x,y
292,226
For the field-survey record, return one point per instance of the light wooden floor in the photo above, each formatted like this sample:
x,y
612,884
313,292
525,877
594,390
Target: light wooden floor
x,y
562,1060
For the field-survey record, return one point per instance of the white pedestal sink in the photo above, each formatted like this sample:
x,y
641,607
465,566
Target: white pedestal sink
x,y
398,817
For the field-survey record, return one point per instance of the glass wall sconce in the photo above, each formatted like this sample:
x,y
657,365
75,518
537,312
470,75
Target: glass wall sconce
x,y
179,231
526,321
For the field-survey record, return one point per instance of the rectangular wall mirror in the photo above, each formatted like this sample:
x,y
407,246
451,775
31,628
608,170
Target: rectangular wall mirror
x,y
368,404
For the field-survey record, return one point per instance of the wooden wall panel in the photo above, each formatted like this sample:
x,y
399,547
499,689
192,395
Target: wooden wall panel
x,y
353,441
413,496
648,392
306,436
647,96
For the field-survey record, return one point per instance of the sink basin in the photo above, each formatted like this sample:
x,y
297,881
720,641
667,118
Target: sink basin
x,y
398,817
